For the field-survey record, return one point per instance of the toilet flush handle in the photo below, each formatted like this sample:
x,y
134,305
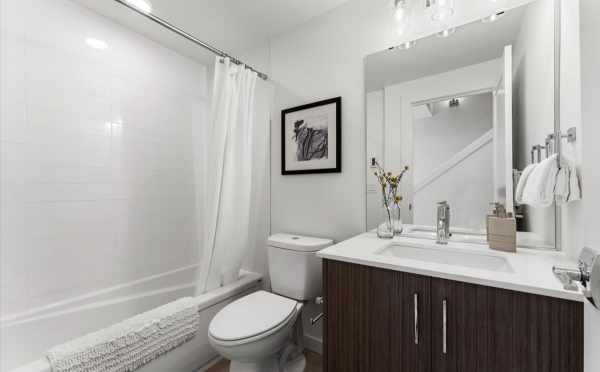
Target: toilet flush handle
x,y
314,320
319,301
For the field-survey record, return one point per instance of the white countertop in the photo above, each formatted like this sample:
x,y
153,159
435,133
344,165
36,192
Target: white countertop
x,y
531,269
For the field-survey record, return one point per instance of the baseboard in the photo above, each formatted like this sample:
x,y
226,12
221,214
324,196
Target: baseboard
x,y
313,343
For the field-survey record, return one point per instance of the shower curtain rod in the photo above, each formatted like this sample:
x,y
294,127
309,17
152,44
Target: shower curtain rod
x,y
191,38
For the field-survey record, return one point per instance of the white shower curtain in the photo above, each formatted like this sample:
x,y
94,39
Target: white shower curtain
x,y
227,175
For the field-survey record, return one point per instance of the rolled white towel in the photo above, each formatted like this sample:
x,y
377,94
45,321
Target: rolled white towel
x,y
129,345
539,188
523,181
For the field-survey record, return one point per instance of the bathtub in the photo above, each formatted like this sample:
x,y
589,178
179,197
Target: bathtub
x,y
27,337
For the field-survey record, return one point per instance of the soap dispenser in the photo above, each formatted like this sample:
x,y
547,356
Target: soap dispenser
x,y
501,229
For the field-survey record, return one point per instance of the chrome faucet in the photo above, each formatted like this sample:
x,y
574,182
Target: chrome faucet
x,y
443,222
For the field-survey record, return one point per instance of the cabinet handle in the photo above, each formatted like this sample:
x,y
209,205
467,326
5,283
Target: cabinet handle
x,y
416,303
445,325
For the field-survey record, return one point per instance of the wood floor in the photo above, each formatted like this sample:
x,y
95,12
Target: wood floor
x,y
314,363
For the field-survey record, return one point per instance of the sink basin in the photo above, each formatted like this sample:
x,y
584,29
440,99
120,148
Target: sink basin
x,y
447,256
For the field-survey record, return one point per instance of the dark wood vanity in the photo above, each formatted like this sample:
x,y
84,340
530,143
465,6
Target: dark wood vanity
x,y
381,320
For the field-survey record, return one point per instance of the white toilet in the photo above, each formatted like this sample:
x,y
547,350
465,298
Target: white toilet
x,y
255,331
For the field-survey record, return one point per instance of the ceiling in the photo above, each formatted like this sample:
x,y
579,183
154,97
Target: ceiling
x,y
234,26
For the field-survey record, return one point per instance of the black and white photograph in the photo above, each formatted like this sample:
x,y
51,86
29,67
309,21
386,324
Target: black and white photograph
x,y
311,136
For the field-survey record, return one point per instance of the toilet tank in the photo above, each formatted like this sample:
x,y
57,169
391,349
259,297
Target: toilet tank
x,y
294,268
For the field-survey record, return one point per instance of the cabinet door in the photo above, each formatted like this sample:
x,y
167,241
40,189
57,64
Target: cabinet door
x,y
413,337
347,308
370,318
496,330
385,324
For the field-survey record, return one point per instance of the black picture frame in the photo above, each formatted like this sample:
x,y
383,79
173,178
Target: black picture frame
x,y
338,136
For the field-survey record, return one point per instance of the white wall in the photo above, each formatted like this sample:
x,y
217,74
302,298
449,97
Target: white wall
x,y
590,78
449,130
97,170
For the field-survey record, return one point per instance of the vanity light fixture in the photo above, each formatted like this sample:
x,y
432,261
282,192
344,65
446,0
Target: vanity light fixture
x,y
492,18
447,32
439,10
143,5
96,43
454,102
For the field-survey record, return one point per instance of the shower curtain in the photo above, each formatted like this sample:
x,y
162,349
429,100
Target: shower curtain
x,y
227,175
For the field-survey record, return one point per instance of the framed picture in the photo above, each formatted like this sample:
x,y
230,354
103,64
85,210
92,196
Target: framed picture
x,y
311,138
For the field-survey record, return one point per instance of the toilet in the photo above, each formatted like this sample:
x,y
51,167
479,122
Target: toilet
x,y
255,332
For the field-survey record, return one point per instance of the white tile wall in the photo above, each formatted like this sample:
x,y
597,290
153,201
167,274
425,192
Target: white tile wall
x,y
97,173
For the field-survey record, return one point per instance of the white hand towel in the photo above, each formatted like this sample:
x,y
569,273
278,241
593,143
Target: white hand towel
x,y
539,188
523,181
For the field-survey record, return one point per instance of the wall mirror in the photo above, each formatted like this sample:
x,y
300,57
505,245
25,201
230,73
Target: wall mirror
x,y
463,110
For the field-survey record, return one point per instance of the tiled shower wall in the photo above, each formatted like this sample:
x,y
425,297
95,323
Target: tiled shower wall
x,y
97,156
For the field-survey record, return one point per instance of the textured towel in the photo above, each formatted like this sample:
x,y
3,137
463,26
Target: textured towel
x,y
523,181
539,188
568,187
574,185
129,345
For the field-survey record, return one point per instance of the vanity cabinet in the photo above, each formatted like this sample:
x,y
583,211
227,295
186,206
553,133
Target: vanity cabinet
x,y
383,320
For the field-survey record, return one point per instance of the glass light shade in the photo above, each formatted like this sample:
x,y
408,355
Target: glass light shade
x,y
400,13
442,10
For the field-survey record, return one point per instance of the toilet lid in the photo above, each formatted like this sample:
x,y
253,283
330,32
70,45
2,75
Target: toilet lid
x,y
250,316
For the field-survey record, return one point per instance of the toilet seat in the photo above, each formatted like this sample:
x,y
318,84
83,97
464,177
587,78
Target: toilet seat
x,y
252,317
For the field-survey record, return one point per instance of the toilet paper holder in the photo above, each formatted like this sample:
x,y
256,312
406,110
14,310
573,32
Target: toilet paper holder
x,y
587,274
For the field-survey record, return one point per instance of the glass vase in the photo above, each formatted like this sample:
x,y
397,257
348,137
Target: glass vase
x,y
385,230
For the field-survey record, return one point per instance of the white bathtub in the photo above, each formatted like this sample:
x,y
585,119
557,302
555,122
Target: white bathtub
x,y
27,337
